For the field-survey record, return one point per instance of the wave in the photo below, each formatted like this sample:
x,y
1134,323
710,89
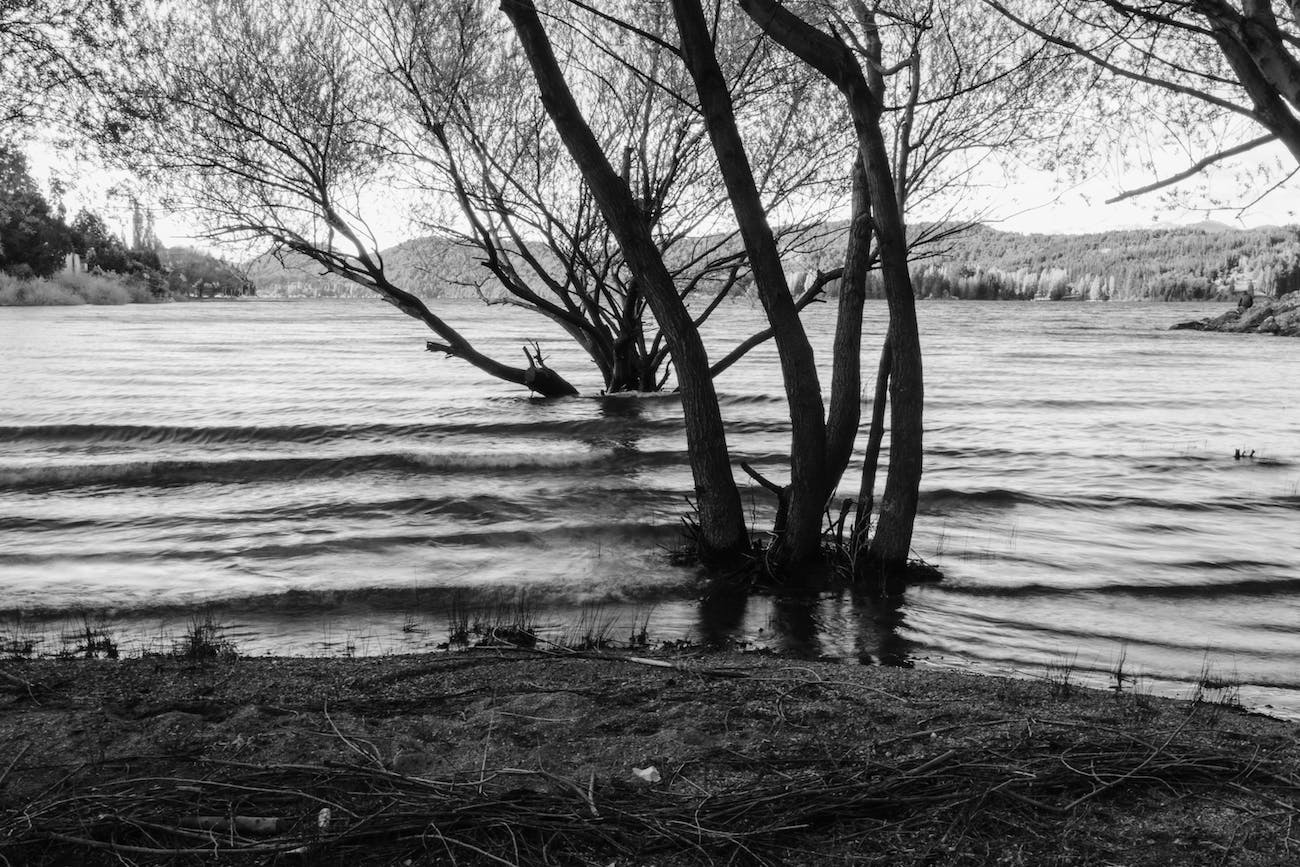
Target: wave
x,y
470,597
166,473
228,435
947,499
1218,590
490,532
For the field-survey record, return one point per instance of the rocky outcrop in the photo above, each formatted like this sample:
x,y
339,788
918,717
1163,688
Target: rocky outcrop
x,y
1267,316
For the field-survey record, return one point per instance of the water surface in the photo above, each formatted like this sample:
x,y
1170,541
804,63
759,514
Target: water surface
x,y
306,469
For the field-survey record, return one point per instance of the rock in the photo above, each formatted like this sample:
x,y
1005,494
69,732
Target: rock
x,y
1271,316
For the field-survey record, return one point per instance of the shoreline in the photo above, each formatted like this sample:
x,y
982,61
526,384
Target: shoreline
x,y
606,628
666,757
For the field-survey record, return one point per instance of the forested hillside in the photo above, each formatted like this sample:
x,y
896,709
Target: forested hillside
x,y
1175,264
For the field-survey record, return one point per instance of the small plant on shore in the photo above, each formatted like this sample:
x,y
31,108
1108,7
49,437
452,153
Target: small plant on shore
x,y
1128,683
90,640
19,642
1118,673
640,635
1213,688
509,621
458,623
1060,676
204,641
593,631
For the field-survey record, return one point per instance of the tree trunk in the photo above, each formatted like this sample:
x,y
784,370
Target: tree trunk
x,y
870,462
830,56
806,498
721,518
846,373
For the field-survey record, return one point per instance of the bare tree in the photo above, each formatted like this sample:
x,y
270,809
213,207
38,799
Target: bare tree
x,y
1216,79
720,518
52,55
478,135
627,165
934,129
832,57
263,120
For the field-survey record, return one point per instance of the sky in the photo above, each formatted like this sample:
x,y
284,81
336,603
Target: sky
x,y
1035,206
1034,202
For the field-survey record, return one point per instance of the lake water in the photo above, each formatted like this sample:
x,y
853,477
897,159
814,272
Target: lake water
x,y
320,482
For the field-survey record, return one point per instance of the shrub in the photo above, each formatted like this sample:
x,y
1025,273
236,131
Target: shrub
x,y
34,293
94,288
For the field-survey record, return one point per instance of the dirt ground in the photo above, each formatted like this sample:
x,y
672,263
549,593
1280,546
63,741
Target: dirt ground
x,y
504,756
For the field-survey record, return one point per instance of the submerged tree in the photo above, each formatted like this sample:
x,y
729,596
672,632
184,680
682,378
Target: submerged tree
x,y
478,136
263,120
294,112
812,481
622,183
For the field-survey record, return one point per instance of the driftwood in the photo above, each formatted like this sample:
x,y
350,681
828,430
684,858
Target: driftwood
x,y
955,799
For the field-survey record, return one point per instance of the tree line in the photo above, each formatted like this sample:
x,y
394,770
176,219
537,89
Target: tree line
x,y
38,242
1176,264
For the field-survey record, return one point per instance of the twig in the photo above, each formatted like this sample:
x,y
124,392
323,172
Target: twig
x,y
26,685
373,757
16,760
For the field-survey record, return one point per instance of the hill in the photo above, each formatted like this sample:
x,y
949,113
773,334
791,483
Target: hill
x,y
195,273
431,267
1208,260
1175,264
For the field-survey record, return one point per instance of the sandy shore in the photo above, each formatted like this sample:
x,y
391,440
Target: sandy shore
x,y
502,756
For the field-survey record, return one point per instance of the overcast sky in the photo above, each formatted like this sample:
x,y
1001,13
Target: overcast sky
x,y
1033,203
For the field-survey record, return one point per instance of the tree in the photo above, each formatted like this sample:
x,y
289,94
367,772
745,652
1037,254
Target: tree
x,y
799,530
263,120
832,57
477,135
803,501
97,246
721,521
1213,71
33,240
51,56
649,162
430,103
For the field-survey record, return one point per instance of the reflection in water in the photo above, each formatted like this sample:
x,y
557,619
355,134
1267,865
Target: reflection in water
x,y
878,622
722,613
853,624
795,622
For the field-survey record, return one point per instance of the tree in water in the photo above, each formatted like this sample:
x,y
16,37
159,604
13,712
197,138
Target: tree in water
x,y
604,203
821,443
485,142
385,93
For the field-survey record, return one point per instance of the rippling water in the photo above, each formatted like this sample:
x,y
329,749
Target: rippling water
x,y
308,470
